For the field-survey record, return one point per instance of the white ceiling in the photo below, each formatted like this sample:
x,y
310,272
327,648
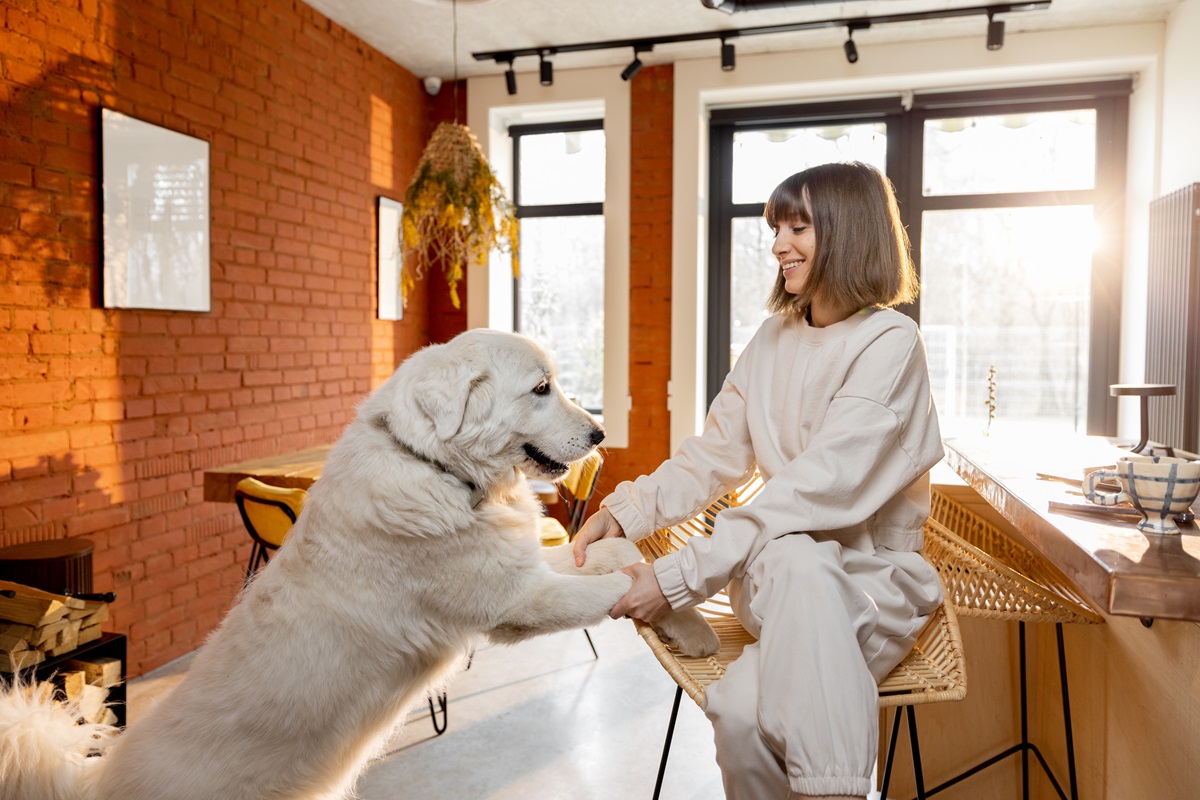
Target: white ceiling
x,y
420,34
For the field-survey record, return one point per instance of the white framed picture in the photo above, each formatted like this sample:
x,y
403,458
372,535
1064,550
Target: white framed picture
x,y
155,207
391,305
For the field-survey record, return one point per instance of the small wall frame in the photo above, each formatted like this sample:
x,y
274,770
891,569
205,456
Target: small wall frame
x,y
156,216
391,304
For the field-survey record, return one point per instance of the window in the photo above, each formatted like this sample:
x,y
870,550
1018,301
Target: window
x,y
1005,195
559,189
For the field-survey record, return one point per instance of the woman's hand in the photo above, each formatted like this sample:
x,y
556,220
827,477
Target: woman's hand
x,y
644,600
601,525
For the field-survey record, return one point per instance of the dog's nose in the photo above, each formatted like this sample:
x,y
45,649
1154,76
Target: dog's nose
x,y
597,436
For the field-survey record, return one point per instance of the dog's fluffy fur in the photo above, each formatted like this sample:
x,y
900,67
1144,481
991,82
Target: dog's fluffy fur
x,y
419,537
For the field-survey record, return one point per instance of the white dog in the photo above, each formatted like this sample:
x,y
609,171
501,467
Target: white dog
x,y
418,538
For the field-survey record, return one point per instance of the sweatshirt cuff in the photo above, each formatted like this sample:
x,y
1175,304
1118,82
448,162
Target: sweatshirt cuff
x,y
635,526
670,581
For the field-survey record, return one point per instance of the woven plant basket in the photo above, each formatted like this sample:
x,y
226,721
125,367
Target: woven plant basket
x,y
455,210
988,574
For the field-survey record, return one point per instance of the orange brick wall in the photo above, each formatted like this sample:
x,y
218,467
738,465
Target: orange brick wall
x,y
108,418
652,134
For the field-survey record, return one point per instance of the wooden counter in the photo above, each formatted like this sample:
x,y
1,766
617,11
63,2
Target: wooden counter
x,y
297,470
1122,570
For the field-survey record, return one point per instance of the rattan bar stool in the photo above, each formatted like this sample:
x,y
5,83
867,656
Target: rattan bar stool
x,y
934,671
988,574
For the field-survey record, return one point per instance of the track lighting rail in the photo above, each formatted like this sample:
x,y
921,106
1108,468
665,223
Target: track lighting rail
x,y
856,23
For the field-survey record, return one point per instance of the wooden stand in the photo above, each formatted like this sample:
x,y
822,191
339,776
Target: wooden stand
x,y
109,645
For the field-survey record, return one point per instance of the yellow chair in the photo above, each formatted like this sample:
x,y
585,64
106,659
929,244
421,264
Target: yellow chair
x,y
268,513
934,671
576,489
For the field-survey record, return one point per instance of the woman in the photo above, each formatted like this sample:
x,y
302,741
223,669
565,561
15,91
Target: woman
x,y
830,402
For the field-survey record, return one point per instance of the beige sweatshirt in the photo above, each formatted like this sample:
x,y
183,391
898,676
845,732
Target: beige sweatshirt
x,y
840,423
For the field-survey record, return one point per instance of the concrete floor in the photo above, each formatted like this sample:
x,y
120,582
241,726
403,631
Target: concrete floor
x,y
542,719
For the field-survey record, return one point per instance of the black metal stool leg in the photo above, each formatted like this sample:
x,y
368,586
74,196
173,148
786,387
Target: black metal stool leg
x,y
891,753
1024,719
662,764
1066,700
918,773
433,715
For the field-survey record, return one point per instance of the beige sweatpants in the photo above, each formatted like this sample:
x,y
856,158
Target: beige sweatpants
x,y
799,710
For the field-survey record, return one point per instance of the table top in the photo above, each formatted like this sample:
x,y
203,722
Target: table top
x,y
298,470
1122,570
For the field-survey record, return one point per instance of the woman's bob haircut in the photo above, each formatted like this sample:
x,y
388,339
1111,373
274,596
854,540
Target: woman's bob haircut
x,y
862,256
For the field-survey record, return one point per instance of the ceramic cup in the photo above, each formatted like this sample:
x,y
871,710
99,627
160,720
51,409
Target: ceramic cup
x,y
1157,486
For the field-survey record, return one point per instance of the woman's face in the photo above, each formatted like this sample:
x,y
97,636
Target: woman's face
x,y
795,244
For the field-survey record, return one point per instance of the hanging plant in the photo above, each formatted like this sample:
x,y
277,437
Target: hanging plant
x,y
455,211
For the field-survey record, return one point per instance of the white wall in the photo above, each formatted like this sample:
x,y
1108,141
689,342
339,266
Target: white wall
x,y
890,69
1181,99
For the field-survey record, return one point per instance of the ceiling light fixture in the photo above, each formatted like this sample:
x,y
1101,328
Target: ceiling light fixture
x,y
635,66
728,56
857,23
850,48
995,34
546,68
510,78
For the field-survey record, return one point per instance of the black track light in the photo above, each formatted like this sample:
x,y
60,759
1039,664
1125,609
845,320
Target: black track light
x,y
546,70
632,69
995,35
510,79
851,49
728,56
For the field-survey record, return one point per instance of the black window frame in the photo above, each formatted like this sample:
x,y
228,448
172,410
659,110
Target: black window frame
x,y
905,119
529,211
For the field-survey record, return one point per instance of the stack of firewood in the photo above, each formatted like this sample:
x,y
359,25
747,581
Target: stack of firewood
x,y
36,625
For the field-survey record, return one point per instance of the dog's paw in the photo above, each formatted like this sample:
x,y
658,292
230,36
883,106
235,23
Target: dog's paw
x,y
689,632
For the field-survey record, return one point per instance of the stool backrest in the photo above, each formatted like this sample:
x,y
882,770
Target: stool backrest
x,y
268,512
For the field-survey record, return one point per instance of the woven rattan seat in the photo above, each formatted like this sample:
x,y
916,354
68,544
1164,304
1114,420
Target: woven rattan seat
x,y
990,575
934,671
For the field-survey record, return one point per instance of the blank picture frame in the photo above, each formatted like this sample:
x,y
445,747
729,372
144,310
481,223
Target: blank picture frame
x,y
156,216
391,304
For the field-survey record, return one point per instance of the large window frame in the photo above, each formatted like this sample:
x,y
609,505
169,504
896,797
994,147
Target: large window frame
x,y
905,119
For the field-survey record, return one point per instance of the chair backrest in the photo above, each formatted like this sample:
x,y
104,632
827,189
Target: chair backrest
x,y
268,511
578,488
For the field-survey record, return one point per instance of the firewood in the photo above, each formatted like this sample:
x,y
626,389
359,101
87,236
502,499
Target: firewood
x,y
68,639
11,643
12,662
73,682
89,634
102,671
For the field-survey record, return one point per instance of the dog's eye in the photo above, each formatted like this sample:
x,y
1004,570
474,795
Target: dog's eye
x,y
542,388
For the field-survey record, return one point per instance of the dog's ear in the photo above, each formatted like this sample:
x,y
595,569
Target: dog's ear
x,y
442,396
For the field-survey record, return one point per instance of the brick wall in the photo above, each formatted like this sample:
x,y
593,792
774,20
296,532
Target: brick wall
x,y
652,139
108,418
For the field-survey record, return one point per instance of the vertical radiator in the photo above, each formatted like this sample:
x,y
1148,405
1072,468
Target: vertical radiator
x,y
1173,317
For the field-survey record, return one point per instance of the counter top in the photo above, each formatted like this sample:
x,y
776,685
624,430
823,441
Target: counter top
x,y
1122,570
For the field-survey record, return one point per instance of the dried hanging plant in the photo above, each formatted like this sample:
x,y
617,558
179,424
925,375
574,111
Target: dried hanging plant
x,y
455,210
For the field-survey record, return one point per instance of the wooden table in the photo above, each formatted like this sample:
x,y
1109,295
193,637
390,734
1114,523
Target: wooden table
x,y
1122,570
298,470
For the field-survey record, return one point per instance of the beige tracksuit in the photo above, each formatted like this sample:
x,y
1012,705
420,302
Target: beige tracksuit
x,y
822,565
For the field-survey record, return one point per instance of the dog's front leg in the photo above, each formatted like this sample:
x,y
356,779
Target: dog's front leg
x,y
686,629
559,602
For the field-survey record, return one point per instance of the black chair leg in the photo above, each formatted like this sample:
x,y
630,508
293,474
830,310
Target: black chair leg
x,y
591,644
1066,699
433,714
887,762
662,764
918,773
